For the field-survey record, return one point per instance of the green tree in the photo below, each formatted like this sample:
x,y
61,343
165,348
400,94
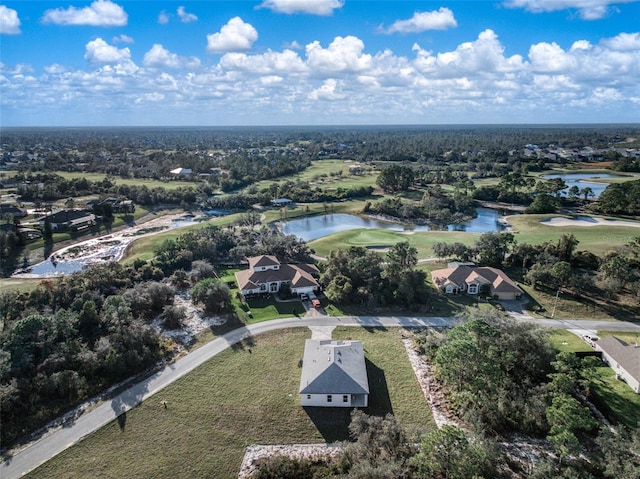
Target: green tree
x,y
404,255
214,295
395,178
492,248
447,453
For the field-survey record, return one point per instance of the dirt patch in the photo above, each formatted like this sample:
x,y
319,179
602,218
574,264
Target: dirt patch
x,y
430,388
196,321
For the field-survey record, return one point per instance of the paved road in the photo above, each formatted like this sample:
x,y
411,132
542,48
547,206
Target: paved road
x,y
44,449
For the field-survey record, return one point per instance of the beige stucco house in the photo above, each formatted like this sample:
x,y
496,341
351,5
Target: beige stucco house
x,y
469,279
266,275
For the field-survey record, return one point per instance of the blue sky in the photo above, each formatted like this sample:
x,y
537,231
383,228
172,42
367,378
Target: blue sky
x,y
318,62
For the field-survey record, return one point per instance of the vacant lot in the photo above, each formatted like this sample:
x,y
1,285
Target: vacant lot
x,y
247,395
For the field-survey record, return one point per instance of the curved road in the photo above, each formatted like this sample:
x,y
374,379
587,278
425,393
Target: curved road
x,y
48,446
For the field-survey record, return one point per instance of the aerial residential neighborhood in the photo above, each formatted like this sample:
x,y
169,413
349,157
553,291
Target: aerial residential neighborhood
x,y
278,239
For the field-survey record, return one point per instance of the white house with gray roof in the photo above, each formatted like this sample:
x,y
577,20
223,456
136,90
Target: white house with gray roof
x,y
334,374
623,358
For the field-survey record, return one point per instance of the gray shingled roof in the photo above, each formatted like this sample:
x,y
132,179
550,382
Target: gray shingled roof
x,y
626,355
333,367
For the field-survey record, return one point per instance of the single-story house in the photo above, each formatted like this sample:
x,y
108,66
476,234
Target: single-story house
x,y
623,358
181,171
70,219
266,275
12,210
281,202
467,278
334,374
118,205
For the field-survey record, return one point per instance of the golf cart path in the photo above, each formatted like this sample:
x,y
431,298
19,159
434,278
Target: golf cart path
x,y
57,441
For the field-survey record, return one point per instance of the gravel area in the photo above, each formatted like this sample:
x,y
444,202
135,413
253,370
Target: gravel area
x,y
296,451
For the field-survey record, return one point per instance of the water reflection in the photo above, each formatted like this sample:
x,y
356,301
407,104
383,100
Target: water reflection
x,y
314,227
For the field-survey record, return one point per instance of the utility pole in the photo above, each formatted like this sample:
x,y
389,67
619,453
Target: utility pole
x,y
555,303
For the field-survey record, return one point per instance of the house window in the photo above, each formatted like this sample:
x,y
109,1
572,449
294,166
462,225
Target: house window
x,y
329,398
473,289
345,398
308,396
263,287
273,287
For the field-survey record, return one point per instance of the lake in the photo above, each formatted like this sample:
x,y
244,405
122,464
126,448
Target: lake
x,y
314,227
581,180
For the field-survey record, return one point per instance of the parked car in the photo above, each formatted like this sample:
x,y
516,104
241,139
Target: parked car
x,y
316,303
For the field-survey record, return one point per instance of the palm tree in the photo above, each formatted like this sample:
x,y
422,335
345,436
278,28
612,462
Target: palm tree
x,y
587,191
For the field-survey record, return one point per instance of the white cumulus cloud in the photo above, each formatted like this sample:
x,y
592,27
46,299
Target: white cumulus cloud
x,y
160,57
186,17
99,51
235,36
550,57
441,19
313,7
270,62
342,55
327,91
101,13
623,42
481,56
588,9
9,21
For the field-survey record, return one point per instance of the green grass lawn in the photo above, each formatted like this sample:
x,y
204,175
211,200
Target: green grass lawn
x,y
263,309
597,239
246,395
149,183
564,341
567,307
615,398
422,241
314,173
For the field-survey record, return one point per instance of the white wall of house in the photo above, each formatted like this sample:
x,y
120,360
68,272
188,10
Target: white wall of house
x,y
333,400
304,290
622,373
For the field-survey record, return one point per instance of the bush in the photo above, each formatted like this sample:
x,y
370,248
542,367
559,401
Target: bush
x,y
173,317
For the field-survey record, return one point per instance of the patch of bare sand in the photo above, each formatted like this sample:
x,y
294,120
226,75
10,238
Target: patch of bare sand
x,y
588,221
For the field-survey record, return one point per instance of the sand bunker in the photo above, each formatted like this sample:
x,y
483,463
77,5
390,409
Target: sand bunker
x,y
588,221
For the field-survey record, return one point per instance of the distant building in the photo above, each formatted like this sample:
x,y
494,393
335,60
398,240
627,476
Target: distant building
x,y
267,275
69,220
281,202
334,374
117,205
13,211
181,171
623,358
467,278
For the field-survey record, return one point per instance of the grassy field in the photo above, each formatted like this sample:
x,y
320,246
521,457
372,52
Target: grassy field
x,y
597,239
569,308
615,398
320,174
149,183
246,395
564,341
422,241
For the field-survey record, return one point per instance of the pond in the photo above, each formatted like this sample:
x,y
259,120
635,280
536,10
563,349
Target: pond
x,y
314,227
581,180
103,249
